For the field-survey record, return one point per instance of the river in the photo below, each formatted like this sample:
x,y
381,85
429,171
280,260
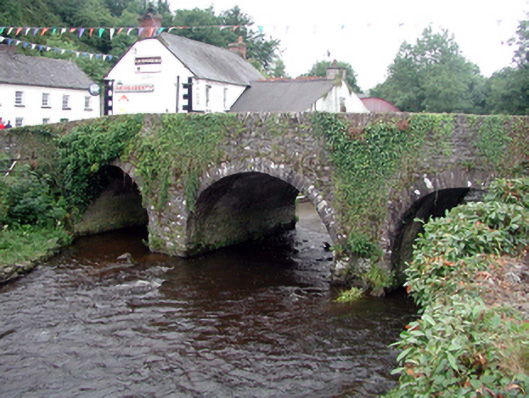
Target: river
x,y
255,320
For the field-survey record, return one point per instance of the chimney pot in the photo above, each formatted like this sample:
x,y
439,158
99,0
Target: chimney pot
x,y
238,48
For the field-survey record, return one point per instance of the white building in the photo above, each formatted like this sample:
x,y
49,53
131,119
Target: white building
x,y
38,90
150,77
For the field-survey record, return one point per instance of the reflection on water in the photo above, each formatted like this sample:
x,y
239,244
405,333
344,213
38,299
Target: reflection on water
x,y
256,320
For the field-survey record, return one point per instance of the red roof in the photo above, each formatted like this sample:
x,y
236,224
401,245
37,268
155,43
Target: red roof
x,y
379,105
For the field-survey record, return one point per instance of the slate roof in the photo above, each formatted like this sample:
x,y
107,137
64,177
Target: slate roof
x,y
39,71
282,95
210,62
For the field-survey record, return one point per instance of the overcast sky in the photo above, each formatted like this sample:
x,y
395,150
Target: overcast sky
x,y
368,33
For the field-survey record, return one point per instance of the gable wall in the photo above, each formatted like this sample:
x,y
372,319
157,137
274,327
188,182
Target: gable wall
x,y
167,79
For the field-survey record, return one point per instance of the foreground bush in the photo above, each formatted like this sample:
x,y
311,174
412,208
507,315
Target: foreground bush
x,y
472,339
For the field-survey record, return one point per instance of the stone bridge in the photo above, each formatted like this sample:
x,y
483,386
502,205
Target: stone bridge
x,y
201,182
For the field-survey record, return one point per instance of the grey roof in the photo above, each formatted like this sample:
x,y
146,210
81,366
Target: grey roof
x,y
282,95
39,71
210,62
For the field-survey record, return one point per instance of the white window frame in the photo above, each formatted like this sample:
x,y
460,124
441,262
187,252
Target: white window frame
x,y
66,102
19,98
88,103
46,120
46,100
19,121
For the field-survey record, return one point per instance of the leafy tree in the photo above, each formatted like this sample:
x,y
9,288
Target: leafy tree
x,y
320,69
508,89
263,51
279,69
433,76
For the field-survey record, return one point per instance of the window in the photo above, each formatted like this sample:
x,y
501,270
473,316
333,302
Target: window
x,y
63,119
45,100
66,102
87,104
208,90
225,99
46,120
19,121
19,98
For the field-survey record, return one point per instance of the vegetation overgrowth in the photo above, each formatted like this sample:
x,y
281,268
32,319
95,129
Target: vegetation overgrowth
x,y
471,338
388,153
53,190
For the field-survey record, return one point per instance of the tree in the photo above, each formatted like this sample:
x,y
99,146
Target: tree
x,y
263,51
320,69
508,89
433,76
279,69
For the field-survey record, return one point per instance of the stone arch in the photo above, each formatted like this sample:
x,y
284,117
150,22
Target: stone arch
x,y
430,196
226,182
118,206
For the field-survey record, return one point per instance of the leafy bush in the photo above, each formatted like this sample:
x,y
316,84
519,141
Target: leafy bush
x,y
460,346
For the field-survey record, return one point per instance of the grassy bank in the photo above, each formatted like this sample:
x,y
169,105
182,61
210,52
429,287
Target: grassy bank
x,y
470,274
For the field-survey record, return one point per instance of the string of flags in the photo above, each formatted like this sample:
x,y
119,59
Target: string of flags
x,y
42,47
99,31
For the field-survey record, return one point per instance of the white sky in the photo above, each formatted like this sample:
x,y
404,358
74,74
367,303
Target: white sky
x,y
367,34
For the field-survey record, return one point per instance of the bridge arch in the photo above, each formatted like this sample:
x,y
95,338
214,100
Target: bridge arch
x,y
247,199
119,205
429,197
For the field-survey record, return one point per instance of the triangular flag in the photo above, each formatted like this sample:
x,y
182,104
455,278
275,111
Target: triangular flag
x,y
53,31
119,31
9,41
63,51
90,56
171,28
91,31
26,31
33,45
129,30
151,32
9,31
98,56
101,30
2,39
81,31
41,47
25,44
18,31
261,29
77,54
111,32
17,42
43,31
35,31
139,31
63,30
110,57
72,30
2,29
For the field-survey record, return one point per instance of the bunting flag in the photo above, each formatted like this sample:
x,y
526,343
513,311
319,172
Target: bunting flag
x,y
41,47
112,31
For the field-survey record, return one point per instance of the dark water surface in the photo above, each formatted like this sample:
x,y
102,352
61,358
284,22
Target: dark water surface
x,y
256,320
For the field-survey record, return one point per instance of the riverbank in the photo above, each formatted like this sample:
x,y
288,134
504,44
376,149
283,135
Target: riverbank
x,y
24,247
470,273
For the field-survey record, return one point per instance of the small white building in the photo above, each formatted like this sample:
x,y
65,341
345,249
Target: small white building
x,y
150,76
38,90
299,95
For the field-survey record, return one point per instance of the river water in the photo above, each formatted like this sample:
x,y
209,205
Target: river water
x,y
256,320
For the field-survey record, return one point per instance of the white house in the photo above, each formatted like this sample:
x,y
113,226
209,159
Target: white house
x,y
299,95
150,77
38,90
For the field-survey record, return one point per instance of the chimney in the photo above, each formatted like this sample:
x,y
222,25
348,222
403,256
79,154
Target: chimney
x,y
335,71
238,48
150,23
